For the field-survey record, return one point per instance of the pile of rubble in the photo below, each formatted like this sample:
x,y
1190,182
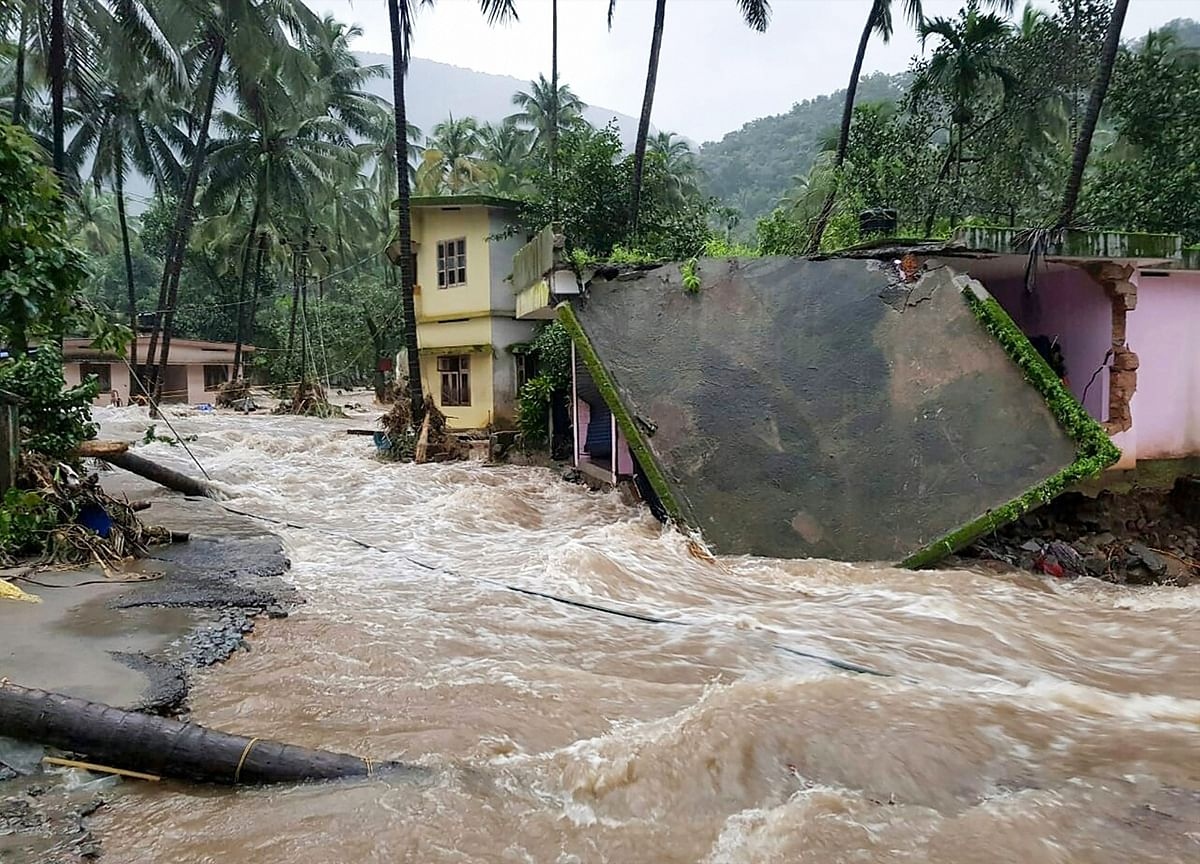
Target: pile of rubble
x,y
1144,537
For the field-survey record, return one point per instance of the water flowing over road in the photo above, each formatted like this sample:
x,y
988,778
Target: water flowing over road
x,y
1024,720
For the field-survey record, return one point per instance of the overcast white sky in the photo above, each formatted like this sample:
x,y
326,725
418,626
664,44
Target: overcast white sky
x,y
714,75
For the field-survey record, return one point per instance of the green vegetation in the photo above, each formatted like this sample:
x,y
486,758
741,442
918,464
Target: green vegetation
x,y
551,349
983,128
691,278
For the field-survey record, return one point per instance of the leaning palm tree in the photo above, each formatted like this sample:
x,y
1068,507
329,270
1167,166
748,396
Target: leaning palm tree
x,y
757,14
1083,145
457,141
879,22
400,17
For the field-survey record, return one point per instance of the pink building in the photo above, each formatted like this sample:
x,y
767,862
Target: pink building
x,y
197,369
1124,310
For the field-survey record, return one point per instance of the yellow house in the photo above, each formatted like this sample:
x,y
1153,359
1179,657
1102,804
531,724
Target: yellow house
x,y
466,307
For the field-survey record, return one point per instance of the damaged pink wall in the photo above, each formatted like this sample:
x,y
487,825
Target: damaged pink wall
x,y
1164,332
1069,305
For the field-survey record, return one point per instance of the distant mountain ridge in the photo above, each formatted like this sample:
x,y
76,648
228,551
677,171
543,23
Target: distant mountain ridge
x,y
435,90
752,167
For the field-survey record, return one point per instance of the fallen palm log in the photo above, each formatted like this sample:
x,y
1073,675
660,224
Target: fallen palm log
x,y
100,449
161,475
165,747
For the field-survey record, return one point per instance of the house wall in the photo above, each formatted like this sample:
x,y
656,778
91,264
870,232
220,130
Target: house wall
x,y
478,414
506,332
431,224
501,252
1162,330
1069,305
118,376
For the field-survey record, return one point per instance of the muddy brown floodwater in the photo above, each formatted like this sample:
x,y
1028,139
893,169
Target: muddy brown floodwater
x,y
1026,720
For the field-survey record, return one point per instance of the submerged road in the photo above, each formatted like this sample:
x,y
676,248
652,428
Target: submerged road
x,y
1024,719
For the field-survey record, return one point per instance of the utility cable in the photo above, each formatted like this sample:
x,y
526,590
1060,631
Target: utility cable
x,y
833,662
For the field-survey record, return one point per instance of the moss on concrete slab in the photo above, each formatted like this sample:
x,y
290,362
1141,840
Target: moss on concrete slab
x,y
1094,451
633,435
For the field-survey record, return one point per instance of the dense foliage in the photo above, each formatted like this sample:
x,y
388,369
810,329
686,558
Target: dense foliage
x,y
54,418
982,128
552,350
40,272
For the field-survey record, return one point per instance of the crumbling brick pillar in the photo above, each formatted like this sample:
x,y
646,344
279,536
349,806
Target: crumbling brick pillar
x,y
1122,380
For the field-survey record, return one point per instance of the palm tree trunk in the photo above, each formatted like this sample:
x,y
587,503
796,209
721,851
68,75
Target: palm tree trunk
x,y
639,153
1083,145
18,106
241,298
258,263
814,242
58,75
554,106
404,216
291,343
129,287
168,291
941,178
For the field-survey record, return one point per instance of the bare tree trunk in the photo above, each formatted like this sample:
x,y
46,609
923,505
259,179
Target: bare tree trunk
x,y
291,343
168,291
554,105
404,217
639,153
165,747
58,80
241,301
814,242
1083,145
258,262
131,292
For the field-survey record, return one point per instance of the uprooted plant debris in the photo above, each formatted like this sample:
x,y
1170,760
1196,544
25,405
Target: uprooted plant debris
x,y
309,400
1144,537
403,439
60,517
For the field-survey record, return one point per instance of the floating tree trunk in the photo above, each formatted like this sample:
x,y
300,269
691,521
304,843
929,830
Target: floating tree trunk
x,y
165,747
157,473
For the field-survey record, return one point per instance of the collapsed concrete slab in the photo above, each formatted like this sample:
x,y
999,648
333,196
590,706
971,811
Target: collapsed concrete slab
x,y
840,408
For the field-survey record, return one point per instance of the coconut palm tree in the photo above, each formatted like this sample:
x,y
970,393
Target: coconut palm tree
x,y
456,142
679,163
251,37
757,14
1083,145
879,22
968,58
505,148
126,127
400,18
540,104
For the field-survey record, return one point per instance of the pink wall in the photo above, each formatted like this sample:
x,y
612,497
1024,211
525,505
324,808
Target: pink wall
x,y
1164,331
1069,305
583,414
624,459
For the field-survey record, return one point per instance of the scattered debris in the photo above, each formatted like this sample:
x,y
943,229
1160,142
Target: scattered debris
x,y
1139,538
309,400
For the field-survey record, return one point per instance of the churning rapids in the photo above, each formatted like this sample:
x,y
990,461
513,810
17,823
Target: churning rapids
x,y
1026,720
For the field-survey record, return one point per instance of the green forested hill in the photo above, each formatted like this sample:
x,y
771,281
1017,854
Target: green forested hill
x,y
752,167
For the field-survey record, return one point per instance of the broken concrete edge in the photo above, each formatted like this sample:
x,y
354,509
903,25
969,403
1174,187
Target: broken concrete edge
x,y
1094,450
633,436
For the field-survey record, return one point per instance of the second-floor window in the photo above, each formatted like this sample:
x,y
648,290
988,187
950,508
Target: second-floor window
x,y
452,262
